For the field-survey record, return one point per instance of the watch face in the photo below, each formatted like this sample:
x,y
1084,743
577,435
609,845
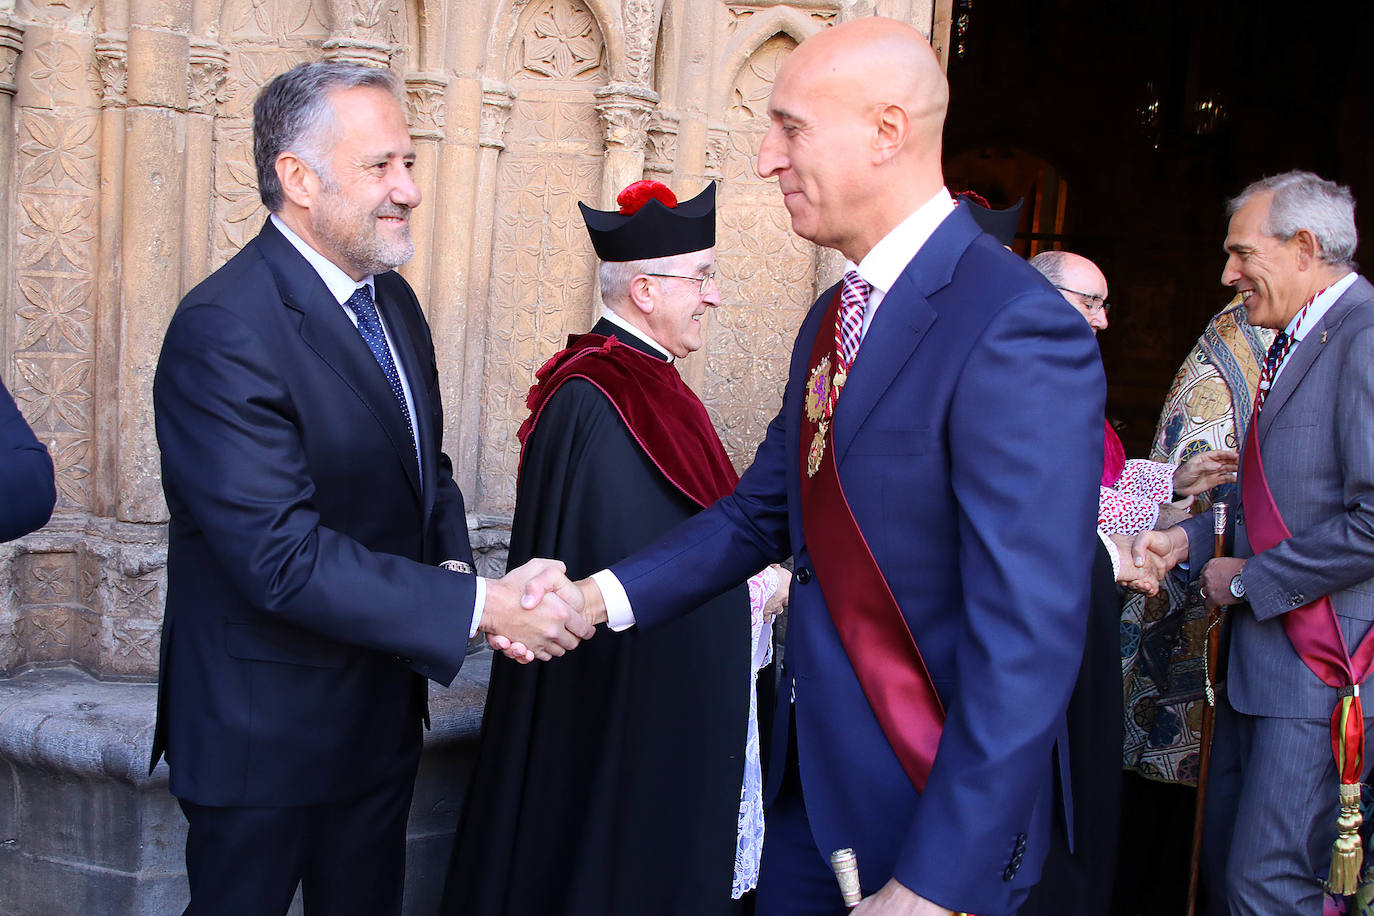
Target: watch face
x,y
1237,587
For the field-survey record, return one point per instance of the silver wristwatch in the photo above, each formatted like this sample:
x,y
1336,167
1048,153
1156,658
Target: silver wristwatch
x,y
457,566
1237,587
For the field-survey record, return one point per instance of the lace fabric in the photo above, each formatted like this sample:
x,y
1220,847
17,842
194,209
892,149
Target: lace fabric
x,y
749,836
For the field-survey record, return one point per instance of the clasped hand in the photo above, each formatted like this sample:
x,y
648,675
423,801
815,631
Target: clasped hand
x,y
1150,557
532,612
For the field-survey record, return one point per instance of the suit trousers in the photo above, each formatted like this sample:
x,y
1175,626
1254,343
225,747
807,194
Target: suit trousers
x,y
348,858
1274,779
795,878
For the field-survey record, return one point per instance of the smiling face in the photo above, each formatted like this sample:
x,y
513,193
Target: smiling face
x,y
359,213
817,148
1264,270
679,306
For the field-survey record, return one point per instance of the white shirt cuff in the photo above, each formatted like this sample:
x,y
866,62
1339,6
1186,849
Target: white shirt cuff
x,y
479,602
619,614
1111,552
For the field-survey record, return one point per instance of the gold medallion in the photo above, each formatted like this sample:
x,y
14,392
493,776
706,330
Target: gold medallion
x,y
841,376
813,458
818,391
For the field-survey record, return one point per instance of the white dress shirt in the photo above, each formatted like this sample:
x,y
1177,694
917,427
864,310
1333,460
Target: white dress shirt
x,y
1315,312
341,287
880,268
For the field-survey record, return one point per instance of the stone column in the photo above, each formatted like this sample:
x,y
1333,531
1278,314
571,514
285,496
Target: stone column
x,y
356,33
111,60
625,111
426,113
497,101
205,87
11,43
153,235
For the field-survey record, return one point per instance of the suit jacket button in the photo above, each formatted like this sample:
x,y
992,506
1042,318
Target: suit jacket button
x,y
804,575
1009,873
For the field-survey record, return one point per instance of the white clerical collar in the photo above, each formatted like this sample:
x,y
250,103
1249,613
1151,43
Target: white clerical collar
x,y
885,262
340,284
624,325
1319,307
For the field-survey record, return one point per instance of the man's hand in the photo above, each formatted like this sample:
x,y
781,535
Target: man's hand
x,y
896,900
1202,472
1216,581
1143,577
529,613
777,603
1169,546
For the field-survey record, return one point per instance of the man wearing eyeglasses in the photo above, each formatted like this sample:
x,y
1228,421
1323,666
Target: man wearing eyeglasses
x,y
620,771
1081,282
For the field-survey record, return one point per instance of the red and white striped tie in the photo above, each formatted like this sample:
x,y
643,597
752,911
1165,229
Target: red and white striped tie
x,y
1278,352
854,292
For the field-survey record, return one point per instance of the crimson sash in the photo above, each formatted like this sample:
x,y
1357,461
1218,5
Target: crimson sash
x,y
1312,629
664,416
866,615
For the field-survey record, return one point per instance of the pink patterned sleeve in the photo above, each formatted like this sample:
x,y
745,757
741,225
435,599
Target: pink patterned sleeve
x,y
1119,513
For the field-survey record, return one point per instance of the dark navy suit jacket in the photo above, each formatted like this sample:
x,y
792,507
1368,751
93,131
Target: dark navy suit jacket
x,y
27,491
969,445
303,605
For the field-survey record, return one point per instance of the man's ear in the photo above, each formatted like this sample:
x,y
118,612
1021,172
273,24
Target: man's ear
x,y
1309,249
891,126
641,294
299,183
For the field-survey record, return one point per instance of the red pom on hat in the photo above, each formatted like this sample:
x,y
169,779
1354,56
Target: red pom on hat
x,y
640,193
977,198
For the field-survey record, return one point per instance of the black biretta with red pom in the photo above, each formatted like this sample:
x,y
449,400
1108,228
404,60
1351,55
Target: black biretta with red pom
x,y
652,224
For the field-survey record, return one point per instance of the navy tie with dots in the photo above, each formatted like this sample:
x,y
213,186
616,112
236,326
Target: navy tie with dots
x,y
370,326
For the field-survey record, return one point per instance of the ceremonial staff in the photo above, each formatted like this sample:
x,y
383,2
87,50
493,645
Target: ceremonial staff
x,y
846,867
1209,712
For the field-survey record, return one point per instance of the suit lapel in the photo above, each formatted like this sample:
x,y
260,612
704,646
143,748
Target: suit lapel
x,y
1307,352
900,324
326,330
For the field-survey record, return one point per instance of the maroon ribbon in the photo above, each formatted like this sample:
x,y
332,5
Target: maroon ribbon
x,y
1312,629
865,613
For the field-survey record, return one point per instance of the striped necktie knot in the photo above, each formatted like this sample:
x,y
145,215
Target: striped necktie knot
x,y
854,293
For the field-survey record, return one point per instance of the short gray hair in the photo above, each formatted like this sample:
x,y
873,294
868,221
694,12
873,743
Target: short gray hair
x,y
293,112
1051,265
615,276
1303,200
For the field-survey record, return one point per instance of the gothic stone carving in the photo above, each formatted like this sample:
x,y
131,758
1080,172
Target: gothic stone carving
x,y
426,110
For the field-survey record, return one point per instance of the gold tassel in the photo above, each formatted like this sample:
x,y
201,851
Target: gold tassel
x,y
1347,854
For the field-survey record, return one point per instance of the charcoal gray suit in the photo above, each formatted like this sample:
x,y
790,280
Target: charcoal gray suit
x,y
1272,760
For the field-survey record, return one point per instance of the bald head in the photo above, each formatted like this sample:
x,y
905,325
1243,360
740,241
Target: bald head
x,y
857,113
876,61
1080,281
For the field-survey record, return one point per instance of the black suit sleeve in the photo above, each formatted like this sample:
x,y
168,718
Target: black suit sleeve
x,y
27,490
232,452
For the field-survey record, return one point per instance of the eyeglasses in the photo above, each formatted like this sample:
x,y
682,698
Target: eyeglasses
x,y
709,278
1090,302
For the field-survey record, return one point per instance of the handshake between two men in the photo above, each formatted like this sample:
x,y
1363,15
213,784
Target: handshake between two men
x,y
1155,552
536,612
